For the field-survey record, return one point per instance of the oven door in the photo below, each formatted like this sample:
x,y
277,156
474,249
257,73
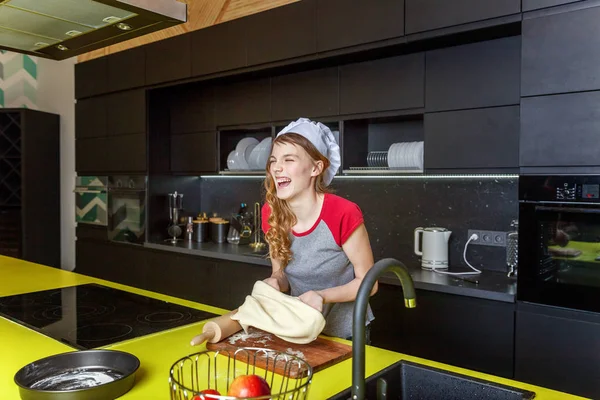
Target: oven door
x,y
559,255
127,209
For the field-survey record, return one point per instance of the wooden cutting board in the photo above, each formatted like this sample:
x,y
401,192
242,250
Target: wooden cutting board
x,y
319,354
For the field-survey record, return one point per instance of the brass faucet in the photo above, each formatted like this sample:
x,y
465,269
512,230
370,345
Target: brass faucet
x,y
360,311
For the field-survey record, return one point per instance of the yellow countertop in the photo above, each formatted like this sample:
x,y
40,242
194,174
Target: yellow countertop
x,y
157,352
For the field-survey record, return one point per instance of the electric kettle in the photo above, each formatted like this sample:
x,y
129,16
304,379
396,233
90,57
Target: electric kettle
x,y
434,249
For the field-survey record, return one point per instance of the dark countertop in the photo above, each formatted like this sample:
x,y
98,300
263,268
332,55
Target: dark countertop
x,y
492,285
224,251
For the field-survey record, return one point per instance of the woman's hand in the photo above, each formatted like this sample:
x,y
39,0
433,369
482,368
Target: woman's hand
x,y
313,299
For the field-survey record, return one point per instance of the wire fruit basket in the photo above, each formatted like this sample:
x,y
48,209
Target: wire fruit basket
x,y
288,376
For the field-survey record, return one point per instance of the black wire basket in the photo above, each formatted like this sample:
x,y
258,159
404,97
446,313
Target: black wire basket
x,y
287,375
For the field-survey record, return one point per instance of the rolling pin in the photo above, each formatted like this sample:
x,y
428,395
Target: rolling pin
x,y
217,329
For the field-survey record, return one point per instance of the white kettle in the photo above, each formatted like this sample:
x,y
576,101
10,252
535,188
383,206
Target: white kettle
x,y
434,251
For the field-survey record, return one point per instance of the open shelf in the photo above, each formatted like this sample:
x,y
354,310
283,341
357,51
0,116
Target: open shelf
x,y
228,141
366,143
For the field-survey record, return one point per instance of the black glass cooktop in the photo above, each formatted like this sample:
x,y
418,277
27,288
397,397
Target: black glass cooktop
x,y
90,316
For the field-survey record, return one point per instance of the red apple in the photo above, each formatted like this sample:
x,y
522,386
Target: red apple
x,y
206,391
249,386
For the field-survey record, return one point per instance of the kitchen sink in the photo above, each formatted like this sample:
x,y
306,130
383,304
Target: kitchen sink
x,y
408,380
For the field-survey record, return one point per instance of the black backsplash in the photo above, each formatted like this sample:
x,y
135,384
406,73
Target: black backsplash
x,y
394,207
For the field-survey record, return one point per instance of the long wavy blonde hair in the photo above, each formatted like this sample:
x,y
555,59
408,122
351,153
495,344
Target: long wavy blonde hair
x,y
282,218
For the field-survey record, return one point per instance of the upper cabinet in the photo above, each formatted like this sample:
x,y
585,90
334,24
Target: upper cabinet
x,y
90,117
126,69
370,21
243,102
220,47
126,112
193,110
560,53
91,77
476,75
169,59
282,33
312,93
485,138
529,5
560,130
425,15
393,83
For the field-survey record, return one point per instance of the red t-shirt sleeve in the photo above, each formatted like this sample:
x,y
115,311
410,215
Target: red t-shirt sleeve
x,y
265,214
342,218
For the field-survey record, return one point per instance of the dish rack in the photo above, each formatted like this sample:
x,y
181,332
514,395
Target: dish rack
x,y
288,376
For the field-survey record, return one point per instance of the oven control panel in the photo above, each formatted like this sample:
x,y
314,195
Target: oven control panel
x,y
568,188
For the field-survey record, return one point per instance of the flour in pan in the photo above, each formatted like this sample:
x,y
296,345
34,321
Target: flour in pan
x,y
296,353
79,378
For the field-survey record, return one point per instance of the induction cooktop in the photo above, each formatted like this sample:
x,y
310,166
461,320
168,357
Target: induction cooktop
x,y
90,316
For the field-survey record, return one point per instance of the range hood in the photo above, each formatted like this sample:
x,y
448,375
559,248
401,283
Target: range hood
x,y
59,29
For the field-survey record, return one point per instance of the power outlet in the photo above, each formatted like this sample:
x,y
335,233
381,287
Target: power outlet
x,y
488,238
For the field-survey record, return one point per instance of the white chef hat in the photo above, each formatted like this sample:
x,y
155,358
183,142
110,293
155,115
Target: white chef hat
x,y
322,138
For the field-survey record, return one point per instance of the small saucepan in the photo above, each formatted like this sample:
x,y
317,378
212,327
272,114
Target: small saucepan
x,y
86,374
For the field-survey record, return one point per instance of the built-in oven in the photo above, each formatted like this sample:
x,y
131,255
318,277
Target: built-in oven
x,y
559,241
91,200
127,208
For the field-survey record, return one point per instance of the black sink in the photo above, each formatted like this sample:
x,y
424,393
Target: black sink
x,y
408,380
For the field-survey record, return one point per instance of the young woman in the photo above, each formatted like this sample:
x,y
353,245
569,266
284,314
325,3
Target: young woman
x,y
318,243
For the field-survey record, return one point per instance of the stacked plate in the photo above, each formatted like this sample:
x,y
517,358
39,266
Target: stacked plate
x,y
249,154
405,155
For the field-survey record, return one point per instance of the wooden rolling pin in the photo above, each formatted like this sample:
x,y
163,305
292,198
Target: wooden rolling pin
x,y
217,329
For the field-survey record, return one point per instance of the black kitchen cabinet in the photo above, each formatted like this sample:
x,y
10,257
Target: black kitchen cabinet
x,y
188,277
482,74
529,5
91,77
220,47
558,349
282,33
126,112
485,138
560,130
90,117
126,153
425,15
312,93
236,280
91,155
192,109
194,152
243,102
370,21
392,83
126,69
115,262
457,330
560,53
169,59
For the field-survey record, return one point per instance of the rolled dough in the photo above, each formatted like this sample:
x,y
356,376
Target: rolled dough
x,y
285,316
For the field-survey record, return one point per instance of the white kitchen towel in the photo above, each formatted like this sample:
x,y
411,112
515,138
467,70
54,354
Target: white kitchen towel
x,y
285,316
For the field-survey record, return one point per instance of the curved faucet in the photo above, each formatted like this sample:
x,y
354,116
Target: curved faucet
x,y
360,311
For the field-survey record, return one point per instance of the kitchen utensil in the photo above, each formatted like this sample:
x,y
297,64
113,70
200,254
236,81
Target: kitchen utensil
x,y
175,206
434,249
512,249
319,354
217,370
217,329
86,374
257,244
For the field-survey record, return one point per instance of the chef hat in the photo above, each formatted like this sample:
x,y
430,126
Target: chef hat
x,y
322,138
